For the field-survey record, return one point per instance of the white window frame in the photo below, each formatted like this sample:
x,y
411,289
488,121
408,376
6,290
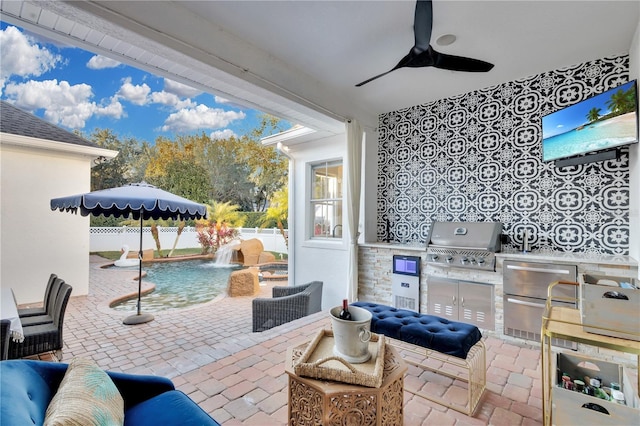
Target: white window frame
x,y
319,240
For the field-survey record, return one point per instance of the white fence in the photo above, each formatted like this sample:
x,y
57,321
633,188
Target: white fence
x,y
112,239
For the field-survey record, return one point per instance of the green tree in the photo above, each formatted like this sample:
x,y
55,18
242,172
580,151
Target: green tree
x,y
225,213
593,114
124,168
164,152
218,228
184,178
268,172
622,101
269,125
268,168
224,173
239,171
117,171
228,173
278,212
187,180
631,99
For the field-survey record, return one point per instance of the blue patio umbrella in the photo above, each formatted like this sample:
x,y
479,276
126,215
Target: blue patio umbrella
x,y
139,200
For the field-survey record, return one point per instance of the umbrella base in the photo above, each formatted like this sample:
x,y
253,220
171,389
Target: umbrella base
x,y
137,319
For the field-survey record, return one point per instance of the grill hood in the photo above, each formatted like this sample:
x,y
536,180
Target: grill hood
x,y
466,235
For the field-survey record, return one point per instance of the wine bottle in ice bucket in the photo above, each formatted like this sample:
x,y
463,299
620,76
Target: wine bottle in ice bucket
x,y
344,313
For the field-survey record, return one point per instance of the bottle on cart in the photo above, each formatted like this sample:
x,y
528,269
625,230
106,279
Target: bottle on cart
x,y
344,313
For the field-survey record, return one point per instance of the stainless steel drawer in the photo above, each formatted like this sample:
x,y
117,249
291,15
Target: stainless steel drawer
x,y
523,318
532,279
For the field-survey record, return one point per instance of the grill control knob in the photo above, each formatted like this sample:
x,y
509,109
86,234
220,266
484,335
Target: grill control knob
x,y
463,260
449,259
434,257
481,261
472,260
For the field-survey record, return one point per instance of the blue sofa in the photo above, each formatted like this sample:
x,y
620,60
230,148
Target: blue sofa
x,y
26,388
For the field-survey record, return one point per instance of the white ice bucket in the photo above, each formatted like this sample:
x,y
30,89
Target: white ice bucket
x,y
352,337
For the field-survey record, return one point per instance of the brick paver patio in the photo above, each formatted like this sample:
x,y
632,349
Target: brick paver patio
x,y
238,376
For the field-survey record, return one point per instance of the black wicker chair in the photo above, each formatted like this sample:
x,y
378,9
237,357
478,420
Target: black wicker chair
x,y
5,334
43,310
44,337
49,307
287,304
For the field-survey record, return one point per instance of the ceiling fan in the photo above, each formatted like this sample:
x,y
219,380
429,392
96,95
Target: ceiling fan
x,y
423,55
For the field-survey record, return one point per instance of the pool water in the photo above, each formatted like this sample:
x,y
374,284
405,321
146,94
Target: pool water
x,y
180,284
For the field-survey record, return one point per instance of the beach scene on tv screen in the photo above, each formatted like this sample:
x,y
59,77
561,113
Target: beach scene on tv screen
x,y
603,121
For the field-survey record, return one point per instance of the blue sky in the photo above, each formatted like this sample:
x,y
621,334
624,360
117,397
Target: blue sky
x,y
569,118
79,90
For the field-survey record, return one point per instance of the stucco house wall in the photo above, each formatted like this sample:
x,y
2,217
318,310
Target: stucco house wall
x,y
316,259
35,241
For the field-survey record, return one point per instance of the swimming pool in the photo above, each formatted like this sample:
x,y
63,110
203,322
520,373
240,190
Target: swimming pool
x,y
180,284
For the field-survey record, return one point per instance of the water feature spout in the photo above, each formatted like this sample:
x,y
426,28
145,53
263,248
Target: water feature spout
x,y
224,254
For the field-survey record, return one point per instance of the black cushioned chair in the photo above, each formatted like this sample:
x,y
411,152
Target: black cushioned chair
x,y
47,317
287,304
5,334
43,310
44,337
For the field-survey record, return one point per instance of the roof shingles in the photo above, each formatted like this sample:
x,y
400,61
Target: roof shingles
x,y
15,121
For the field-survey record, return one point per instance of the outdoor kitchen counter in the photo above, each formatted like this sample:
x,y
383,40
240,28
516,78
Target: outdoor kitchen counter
x,y
616,261
534,256
375,272
395,246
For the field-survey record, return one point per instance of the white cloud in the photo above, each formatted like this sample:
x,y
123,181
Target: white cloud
x,y
63,103
113,109
22,56
223,101
141,94
223,134
172,100
182,90
99,62
200,117
136,94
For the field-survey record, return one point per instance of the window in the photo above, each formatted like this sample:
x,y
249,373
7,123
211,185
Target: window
x,y
326,200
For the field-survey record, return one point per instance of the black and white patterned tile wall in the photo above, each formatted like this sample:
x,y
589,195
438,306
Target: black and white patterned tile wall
x,y
477,157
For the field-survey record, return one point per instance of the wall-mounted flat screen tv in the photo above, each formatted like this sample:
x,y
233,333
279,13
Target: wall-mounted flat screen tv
x,y
602,122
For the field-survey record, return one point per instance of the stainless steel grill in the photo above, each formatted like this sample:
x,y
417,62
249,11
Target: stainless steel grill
x,y
470,245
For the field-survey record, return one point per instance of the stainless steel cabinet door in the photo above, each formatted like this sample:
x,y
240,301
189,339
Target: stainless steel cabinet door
x,y
476,304
442,295
463,301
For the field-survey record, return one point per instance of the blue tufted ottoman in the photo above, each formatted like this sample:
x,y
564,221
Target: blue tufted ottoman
x,y
456,347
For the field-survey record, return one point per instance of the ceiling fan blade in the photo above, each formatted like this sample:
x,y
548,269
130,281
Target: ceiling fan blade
x,y
406,61
459,63
423,55
373,78
422,25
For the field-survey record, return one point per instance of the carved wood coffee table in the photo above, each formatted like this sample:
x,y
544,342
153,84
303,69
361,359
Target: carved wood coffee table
x,y
325,402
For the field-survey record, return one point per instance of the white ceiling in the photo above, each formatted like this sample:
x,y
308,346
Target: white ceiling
x,y
301,59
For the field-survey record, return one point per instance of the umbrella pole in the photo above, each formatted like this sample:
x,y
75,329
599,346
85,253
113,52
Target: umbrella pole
x,y
139,318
